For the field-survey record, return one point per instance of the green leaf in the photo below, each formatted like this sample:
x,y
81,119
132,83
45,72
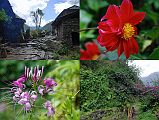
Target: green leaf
x,y
3,16
87,35
85,18
153,33
135,57
96,5
155,54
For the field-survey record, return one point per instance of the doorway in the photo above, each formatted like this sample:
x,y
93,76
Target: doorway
x,y
75,38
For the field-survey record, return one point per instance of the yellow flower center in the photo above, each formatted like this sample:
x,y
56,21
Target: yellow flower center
x,y
128,31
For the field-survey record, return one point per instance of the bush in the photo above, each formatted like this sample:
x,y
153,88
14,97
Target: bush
x,y
3,16
34,34
147,116
107,84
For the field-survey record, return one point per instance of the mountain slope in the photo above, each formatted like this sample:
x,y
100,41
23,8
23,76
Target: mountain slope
x,y
47,27
152,77
26,27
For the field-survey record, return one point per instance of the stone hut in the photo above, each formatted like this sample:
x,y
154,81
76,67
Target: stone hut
x,y
66,26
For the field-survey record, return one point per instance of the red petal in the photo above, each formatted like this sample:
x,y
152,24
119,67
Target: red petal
x,y
126,10
127,51
120,49
106,26
107,39
83,55
92,48
112,47
113,14
135,47
137,17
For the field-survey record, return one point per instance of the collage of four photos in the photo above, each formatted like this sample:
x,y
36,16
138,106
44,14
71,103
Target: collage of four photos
x,y
79,60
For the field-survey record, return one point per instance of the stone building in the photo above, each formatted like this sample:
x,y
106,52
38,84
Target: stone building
x,y
66,26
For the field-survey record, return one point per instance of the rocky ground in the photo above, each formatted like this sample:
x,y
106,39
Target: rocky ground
x,y
35,49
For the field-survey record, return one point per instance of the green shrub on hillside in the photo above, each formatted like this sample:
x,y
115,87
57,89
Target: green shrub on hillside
x,y
107,84
149,115
3,16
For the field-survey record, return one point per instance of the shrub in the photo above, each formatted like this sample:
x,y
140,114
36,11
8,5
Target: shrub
x,y
34,34
107,84
147,116
3,16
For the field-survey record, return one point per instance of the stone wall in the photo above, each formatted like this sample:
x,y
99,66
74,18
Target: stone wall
x,y
69,26
65,29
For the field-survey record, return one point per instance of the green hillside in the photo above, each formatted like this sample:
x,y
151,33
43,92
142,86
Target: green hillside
x,y
108,93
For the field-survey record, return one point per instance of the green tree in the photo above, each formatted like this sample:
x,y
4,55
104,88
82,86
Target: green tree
x,y
3,18
37,17
41,14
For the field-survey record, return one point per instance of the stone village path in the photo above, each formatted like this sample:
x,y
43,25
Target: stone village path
x,y
36,49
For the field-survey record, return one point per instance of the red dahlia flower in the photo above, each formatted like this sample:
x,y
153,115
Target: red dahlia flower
x,y
91,53
117,29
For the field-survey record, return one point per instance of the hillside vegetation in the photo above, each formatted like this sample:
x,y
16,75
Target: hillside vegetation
x,y
108,92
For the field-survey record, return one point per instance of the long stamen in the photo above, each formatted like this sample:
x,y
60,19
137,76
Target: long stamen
x,y
31,72
25,71
42,70
39,73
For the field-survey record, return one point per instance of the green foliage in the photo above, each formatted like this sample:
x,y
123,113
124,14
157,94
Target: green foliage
x,y
66,53
11,70
3,16
107,91
71,112
149,102
64,50
6,115
149,115
67,73
107,84
155,54
35,34
37,17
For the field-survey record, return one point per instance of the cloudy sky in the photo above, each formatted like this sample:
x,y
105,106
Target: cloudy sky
x,y
147,66
51,8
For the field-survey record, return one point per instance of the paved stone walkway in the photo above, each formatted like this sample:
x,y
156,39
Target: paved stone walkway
x,y
32,50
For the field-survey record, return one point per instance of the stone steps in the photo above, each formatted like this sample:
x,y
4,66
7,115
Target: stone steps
x,y
40,48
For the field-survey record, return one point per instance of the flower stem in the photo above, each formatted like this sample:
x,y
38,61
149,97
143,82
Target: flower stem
x,y
86,29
